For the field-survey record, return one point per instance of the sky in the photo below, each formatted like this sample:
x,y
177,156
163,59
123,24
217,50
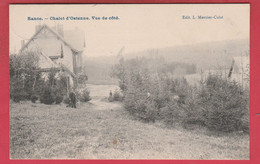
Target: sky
x,y
139,27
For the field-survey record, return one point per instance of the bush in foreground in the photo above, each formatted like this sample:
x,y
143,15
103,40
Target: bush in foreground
x,y
48,96
34,98
225,104
66,100
217,103
19,94
116,96
83,95
58,99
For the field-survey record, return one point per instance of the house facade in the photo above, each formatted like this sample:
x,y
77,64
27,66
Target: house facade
x,y
57,50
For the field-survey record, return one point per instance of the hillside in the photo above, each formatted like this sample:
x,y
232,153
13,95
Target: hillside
x,y
98,69
205,55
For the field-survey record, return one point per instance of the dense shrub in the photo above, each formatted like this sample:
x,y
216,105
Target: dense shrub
x,y
82,79
53,88
28,83
142,97
66,100
140,107
34,98
23,76
83,95
151,93
60,87
225,103
115,96
47,96
86,96
19,94
219,105
58,99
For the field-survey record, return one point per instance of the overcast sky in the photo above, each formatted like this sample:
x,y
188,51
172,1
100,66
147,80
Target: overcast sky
x,y
140,27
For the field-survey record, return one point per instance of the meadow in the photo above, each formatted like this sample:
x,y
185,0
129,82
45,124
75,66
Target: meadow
x,y
100,129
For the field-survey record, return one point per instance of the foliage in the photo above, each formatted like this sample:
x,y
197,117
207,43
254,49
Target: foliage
x,y
153,92
82,79
83,95
225,103
47,96
23,76
27,83
54,88
115,96
119,71
34,98
58,99
66,100
18,94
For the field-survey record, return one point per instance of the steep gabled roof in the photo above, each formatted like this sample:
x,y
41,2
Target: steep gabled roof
x,y
47,59
56,66
76,38
55,33
53,64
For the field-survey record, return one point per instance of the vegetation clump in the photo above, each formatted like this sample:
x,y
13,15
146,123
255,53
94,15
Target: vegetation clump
x,y
47,96
84,95
27,82
22,75
152,93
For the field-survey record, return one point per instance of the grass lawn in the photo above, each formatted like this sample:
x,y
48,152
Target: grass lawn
x,y
103,130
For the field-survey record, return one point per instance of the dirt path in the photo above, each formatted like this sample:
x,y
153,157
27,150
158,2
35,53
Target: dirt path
x,y
104,130
99,95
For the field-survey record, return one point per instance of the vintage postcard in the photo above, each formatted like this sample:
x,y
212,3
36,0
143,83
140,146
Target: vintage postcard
x,y
129,81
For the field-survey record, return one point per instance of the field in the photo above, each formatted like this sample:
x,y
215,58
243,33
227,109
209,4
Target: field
x,y
103,130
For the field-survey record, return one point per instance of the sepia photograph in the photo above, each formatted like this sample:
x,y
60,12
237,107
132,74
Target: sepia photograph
x,y
129,81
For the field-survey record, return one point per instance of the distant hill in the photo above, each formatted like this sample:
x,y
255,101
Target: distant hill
x,y
205,55
98,69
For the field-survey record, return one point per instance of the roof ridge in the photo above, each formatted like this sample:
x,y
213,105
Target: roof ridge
x,y
62,38
53,63
54,32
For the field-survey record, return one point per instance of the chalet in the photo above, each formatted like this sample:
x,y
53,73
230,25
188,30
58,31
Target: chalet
x,y
58,50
